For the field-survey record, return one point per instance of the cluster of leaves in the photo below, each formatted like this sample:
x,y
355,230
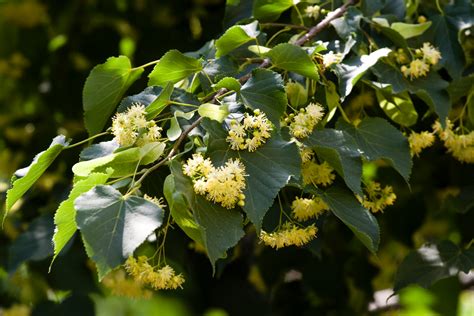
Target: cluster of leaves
x,y
195,96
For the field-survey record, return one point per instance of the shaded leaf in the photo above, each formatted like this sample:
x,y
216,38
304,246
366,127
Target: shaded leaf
x,y
103,90
34,244
345,206
265,91
377,139
180,210
433,262
431,89
113,225
220,228
340,150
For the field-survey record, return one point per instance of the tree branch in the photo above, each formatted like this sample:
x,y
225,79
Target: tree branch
x,y
325,22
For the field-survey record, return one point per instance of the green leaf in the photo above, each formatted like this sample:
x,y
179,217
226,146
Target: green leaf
x,y
235,37
228,83
268,169
122,159
65,217
34,244
293,58
443,33
113,225
270,10
174,131
122,162
265,91
150,152
213,111
345,206
340,150
26,177
398,107
173,67
433,262
349,73
103,90
377,139
160,103
410,30
431,89
220,228
180,210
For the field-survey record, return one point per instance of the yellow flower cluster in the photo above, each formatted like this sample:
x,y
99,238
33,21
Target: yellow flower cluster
x,y
132,127
288,235
420,141
16,310
303,123
460,146
251,133
304,209
222,185
118,283
377,198
419,67
164,278
317,174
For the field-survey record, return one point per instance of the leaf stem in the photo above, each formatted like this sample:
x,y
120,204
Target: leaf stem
x,y
147,64
86,140
183,104
292,26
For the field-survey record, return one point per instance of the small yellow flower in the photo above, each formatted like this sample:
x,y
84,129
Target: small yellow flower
x,y
120,285
161,279
252,133
160,202
17,310
304,209
289,235
317,174
222,185
418,68
461,146
377,198
430,54
132,128
304,122
420,141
